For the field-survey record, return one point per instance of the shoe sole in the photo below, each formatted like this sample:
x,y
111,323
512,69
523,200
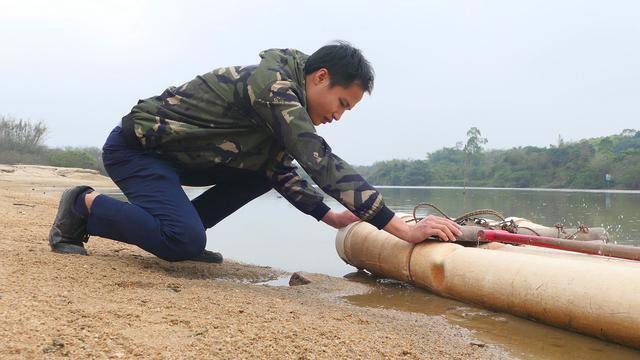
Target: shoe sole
x,y
66,248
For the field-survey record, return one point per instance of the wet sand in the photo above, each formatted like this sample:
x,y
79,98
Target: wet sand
x,y
121,302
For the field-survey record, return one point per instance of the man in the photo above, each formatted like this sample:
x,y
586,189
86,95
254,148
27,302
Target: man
x,y
239,128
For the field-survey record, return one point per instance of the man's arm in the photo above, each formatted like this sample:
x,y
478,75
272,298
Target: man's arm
x,y
297,191
286,181
289,121
282,113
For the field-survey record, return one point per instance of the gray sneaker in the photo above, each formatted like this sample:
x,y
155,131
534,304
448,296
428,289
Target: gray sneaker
x,y
69,229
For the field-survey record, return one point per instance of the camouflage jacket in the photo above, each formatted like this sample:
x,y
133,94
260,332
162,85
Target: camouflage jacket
x,y
254,118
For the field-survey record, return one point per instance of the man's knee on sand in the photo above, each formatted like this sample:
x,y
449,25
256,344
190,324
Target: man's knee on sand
x,y
184,242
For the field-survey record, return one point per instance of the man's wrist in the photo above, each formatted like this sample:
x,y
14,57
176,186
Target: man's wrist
x,y
320,211
382,217
399,228
329,217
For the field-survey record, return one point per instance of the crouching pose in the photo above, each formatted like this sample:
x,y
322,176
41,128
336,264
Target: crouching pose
x,y
238,128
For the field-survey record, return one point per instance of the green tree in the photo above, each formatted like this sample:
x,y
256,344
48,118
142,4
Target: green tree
x,y
475,141
474,144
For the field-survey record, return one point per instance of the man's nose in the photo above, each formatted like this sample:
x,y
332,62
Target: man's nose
x,y
337,115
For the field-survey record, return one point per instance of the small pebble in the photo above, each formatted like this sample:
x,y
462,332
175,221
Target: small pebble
x,y
298,279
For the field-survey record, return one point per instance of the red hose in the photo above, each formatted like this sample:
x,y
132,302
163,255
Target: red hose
x,y
592,248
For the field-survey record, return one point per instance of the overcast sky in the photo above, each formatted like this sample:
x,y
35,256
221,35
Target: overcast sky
x,y
523,72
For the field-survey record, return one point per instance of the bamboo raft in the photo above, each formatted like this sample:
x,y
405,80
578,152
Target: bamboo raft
x,y
593,295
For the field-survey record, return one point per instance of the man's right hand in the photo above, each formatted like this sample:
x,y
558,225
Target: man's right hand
x,y
432,225
339,220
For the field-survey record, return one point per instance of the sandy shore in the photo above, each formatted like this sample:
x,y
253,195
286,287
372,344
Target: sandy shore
x,y
121,302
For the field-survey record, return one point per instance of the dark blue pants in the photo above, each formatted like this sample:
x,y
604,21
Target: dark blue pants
x,y
159,216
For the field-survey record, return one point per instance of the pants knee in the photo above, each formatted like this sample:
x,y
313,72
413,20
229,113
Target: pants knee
x,y
186,244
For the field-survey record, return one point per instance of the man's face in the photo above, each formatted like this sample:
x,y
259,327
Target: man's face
x,y
326,103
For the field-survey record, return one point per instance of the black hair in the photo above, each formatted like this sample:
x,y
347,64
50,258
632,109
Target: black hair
x,y
345,64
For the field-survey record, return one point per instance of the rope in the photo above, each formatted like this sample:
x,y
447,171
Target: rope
x,y
433,206
530,229
560,228
460,219
582,228
472,214
509,226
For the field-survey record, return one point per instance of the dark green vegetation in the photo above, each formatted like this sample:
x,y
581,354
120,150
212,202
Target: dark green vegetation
x,y
21,143
580,165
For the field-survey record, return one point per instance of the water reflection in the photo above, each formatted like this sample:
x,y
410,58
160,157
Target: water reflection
x,y
524,339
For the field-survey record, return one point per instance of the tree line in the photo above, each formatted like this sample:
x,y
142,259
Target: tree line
x,y
605,162
22,142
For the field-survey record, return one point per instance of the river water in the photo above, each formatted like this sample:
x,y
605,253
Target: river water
x,y
269,231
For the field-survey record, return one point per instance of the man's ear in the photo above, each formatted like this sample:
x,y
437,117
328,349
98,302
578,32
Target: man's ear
x,y
321,76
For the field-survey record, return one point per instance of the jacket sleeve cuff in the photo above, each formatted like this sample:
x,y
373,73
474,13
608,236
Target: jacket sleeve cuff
x,y
320,211
382,218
